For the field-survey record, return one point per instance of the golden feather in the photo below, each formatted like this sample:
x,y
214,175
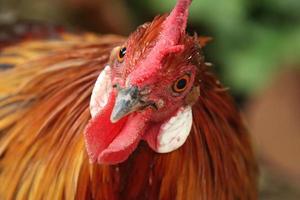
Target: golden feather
x,y
44,110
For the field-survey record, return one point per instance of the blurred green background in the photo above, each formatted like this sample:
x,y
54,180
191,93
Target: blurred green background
x,y
255,51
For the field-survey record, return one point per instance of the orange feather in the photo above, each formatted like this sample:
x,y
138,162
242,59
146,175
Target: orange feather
x,y
43,112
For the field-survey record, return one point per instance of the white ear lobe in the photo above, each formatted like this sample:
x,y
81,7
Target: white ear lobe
x,y
175,131
101,91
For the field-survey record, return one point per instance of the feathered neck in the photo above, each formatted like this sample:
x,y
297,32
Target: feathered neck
x,y
42,149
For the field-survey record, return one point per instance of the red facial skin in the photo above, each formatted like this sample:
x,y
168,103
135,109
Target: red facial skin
x,y
157,55
158,89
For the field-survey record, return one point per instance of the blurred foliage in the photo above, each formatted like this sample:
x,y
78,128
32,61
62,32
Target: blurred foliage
x,y
252,38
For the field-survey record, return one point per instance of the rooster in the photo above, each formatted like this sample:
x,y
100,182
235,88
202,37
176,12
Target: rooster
x,y
84,116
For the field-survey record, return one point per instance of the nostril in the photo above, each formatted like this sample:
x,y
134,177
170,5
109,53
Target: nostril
x,y
117,86
134,93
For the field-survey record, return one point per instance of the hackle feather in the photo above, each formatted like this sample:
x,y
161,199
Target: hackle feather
x,y
44,109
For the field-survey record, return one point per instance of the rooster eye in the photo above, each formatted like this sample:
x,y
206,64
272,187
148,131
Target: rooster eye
x,y
121,54
181,83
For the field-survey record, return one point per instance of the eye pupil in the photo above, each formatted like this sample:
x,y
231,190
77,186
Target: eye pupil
x,y
181,84
122,52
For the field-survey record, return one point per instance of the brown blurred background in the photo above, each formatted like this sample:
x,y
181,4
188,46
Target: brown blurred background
x,y
256,52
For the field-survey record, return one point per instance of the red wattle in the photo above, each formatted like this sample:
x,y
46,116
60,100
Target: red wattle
x,y
127,140
111,143
151,135
100,131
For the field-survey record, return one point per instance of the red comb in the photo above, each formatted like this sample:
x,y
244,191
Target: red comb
x,y
172,29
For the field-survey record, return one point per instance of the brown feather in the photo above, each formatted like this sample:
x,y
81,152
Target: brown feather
x,y
45,110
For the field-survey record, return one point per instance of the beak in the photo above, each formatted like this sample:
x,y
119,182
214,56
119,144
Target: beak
x,y
127,101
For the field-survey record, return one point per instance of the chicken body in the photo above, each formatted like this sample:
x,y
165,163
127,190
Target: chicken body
x,y
44,109
42,124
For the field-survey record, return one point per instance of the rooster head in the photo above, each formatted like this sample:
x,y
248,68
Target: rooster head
x,y
146,91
